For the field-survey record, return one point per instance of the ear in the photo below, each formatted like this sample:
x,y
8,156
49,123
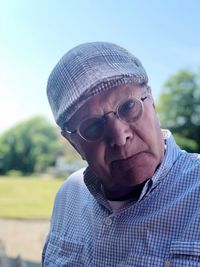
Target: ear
x,y
149,91
150,96
67,137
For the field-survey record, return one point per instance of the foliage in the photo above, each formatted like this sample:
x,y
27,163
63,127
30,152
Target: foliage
x,y
179,108
22,198
68,151
31,146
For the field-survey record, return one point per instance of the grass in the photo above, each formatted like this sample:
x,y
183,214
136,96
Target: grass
x,y
27,198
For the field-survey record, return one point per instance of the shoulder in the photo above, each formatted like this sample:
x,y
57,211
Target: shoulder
x,y
190,162
72,193
73,184
187,168
75,179
181,159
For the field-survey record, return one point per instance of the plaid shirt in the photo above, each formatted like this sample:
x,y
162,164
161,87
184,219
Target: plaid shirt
x,y
162,228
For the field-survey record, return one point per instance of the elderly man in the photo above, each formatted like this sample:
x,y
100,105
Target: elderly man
x,y
138,201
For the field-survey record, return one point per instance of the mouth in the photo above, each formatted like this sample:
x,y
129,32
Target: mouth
x,y
126,164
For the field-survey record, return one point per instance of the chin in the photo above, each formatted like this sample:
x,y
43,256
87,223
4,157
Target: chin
x,y
134,176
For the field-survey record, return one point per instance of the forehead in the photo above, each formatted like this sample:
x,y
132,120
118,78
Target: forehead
x,y
105,101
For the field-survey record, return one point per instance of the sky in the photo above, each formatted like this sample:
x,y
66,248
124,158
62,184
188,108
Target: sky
x,y
35,34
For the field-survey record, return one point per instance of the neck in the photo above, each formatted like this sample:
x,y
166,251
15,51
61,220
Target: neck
x,y
133,194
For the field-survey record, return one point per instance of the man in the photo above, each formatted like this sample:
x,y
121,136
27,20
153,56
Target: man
x,y
138,201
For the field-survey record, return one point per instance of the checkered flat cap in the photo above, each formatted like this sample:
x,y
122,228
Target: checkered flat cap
x,y
87,70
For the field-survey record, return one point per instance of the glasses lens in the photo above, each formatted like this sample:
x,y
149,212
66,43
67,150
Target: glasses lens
x,y
92,129
131,110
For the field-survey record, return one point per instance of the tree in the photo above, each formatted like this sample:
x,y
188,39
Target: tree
x,y
31,146
179,109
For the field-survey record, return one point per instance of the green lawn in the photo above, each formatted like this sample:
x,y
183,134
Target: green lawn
x,y
27,198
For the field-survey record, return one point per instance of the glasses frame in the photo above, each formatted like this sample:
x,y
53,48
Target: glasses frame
x,y
77,130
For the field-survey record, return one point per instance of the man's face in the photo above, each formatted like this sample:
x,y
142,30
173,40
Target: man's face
x,y
129,153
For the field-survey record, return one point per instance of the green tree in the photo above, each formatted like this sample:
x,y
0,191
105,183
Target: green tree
x,y
179,108
29,147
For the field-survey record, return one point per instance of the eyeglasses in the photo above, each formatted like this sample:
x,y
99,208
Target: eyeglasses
x,y
93,129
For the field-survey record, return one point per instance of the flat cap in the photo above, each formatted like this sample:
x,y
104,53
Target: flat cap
x,y
87,70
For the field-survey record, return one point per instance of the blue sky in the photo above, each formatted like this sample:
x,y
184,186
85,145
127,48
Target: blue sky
x,y
34,34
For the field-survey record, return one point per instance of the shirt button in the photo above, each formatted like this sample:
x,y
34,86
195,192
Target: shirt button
x,y
108,221
167,264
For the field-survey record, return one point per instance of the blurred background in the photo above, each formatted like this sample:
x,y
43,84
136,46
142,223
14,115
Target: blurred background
x,y
34,35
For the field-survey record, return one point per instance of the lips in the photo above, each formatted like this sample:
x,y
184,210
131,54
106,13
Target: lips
x,y
126,164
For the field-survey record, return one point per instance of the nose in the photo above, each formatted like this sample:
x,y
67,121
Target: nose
x,y
117,132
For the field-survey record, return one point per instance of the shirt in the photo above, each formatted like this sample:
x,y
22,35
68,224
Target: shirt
x,y
162,228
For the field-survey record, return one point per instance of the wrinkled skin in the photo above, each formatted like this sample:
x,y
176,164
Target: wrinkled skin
x,y
129,154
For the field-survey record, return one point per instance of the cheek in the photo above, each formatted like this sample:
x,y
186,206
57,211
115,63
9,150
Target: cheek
x,y
157,143
97,163
94,154
153,134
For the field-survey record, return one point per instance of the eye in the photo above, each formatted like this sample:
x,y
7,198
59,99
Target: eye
x,y
127,107
92,129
